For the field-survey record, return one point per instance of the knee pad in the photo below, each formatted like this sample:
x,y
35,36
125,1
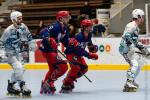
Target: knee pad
x,y
134,63
136,66
59,69
61,65
75,69
141,64
64,67
18,70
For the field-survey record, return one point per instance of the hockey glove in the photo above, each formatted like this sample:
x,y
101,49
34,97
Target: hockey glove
x,y
73,42
93,48
145,51
93,56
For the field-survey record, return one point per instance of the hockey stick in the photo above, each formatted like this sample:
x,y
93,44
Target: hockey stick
x,y
72,63
143,54
140,53
146,73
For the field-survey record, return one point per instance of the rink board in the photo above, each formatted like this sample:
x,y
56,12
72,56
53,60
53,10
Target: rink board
x,y
90,67
109,56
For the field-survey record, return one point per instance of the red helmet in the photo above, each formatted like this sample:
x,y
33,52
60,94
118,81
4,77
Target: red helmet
x,y
86,23
62,14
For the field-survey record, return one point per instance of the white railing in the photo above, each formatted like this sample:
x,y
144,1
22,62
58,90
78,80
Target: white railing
x,y
118,6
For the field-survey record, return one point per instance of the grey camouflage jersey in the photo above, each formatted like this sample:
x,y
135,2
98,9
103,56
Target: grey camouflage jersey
x,y
130,38
12,38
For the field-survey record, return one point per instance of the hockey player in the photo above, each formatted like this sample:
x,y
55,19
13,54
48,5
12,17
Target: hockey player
x,y
51,36
130,40
75,53
12,40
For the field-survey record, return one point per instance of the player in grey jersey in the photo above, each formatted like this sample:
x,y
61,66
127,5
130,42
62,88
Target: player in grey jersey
x,y
129,44
12,39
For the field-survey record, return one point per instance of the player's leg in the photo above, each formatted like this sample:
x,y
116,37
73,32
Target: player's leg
x,y
78,69
57,68
83,67
17,75
68,82
131,75
140,65
47,85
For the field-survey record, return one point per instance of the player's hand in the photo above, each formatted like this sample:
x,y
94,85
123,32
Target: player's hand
x,y
73,42
145,51
93,48
93,56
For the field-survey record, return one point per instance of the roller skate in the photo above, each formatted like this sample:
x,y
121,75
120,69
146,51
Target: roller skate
x,y
130,87
12,89
26,93
47,88
67,88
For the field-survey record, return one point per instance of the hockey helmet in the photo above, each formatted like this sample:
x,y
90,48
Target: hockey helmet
x,y
137,13
62,14
86,23
14,15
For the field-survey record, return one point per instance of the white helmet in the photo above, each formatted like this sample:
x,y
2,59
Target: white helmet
x,y
14,15
136,13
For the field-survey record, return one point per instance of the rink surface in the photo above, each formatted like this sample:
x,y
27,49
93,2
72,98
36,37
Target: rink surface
x,y
107,85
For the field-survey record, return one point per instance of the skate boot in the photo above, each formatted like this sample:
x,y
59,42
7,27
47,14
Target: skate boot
x,y
47,88
67,88
130,87
26,93
12,89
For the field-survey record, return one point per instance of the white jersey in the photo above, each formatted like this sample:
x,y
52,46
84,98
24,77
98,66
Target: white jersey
x,y
131,28
130,38
12,38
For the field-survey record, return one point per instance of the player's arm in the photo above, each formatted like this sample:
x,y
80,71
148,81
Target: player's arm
x,y
74,44
29,35
83,52
142,48
44,33
65,39
132,37
4,37
31,42
137,43
91,47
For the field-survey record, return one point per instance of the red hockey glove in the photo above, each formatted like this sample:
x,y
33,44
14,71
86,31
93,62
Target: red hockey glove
x,y
73,42
93,48
93,56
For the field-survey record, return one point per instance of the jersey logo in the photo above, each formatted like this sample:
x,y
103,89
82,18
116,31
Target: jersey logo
x,y
83,44
74,58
